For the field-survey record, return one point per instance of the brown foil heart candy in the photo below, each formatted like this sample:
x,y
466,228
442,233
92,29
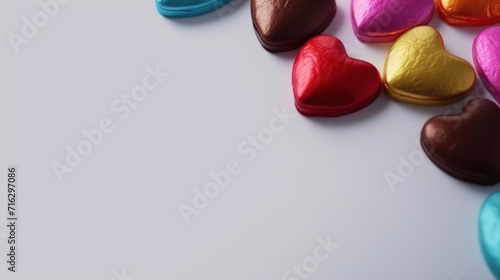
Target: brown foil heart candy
x,y
467,145
283,25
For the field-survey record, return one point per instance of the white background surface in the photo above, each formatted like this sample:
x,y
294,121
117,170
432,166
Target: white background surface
x,y
319,177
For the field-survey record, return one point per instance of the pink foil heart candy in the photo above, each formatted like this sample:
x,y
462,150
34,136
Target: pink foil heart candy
x,y
486,51
386,20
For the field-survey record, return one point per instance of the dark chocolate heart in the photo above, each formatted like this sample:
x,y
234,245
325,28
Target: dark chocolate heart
x,y
283,25
466,146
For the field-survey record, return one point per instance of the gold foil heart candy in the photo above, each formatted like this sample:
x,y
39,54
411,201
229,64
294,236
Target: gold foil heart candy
x,y
418,70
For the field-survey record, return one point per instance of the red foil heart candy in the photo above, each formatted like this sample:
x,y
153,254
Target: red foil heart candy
x,y
328,83
466,146
283,25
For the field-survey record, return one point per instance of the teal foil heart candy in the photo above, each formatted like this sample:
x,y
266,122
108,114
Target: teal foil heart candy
x,y
489,232
188,8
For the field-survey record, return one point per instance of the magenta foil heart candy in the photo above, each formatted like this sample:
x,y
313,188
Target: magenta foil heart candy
x,y
486,51
386,20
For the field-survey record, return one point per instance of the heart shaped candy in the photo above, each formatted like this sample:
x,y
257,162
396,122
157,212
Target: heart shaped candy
x,y
327,83
418,70
469,12
386,20
489,232
283,25
188,8
466,146
486,53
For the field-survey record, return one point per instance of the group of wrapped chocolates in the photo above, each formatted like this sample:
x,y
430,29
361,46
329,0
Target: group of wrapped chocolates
x,y
418,70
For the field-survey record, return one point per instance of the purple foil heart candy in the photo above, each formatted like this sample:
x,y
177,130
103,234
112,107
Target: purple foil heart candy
x,y
386,20
486,51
